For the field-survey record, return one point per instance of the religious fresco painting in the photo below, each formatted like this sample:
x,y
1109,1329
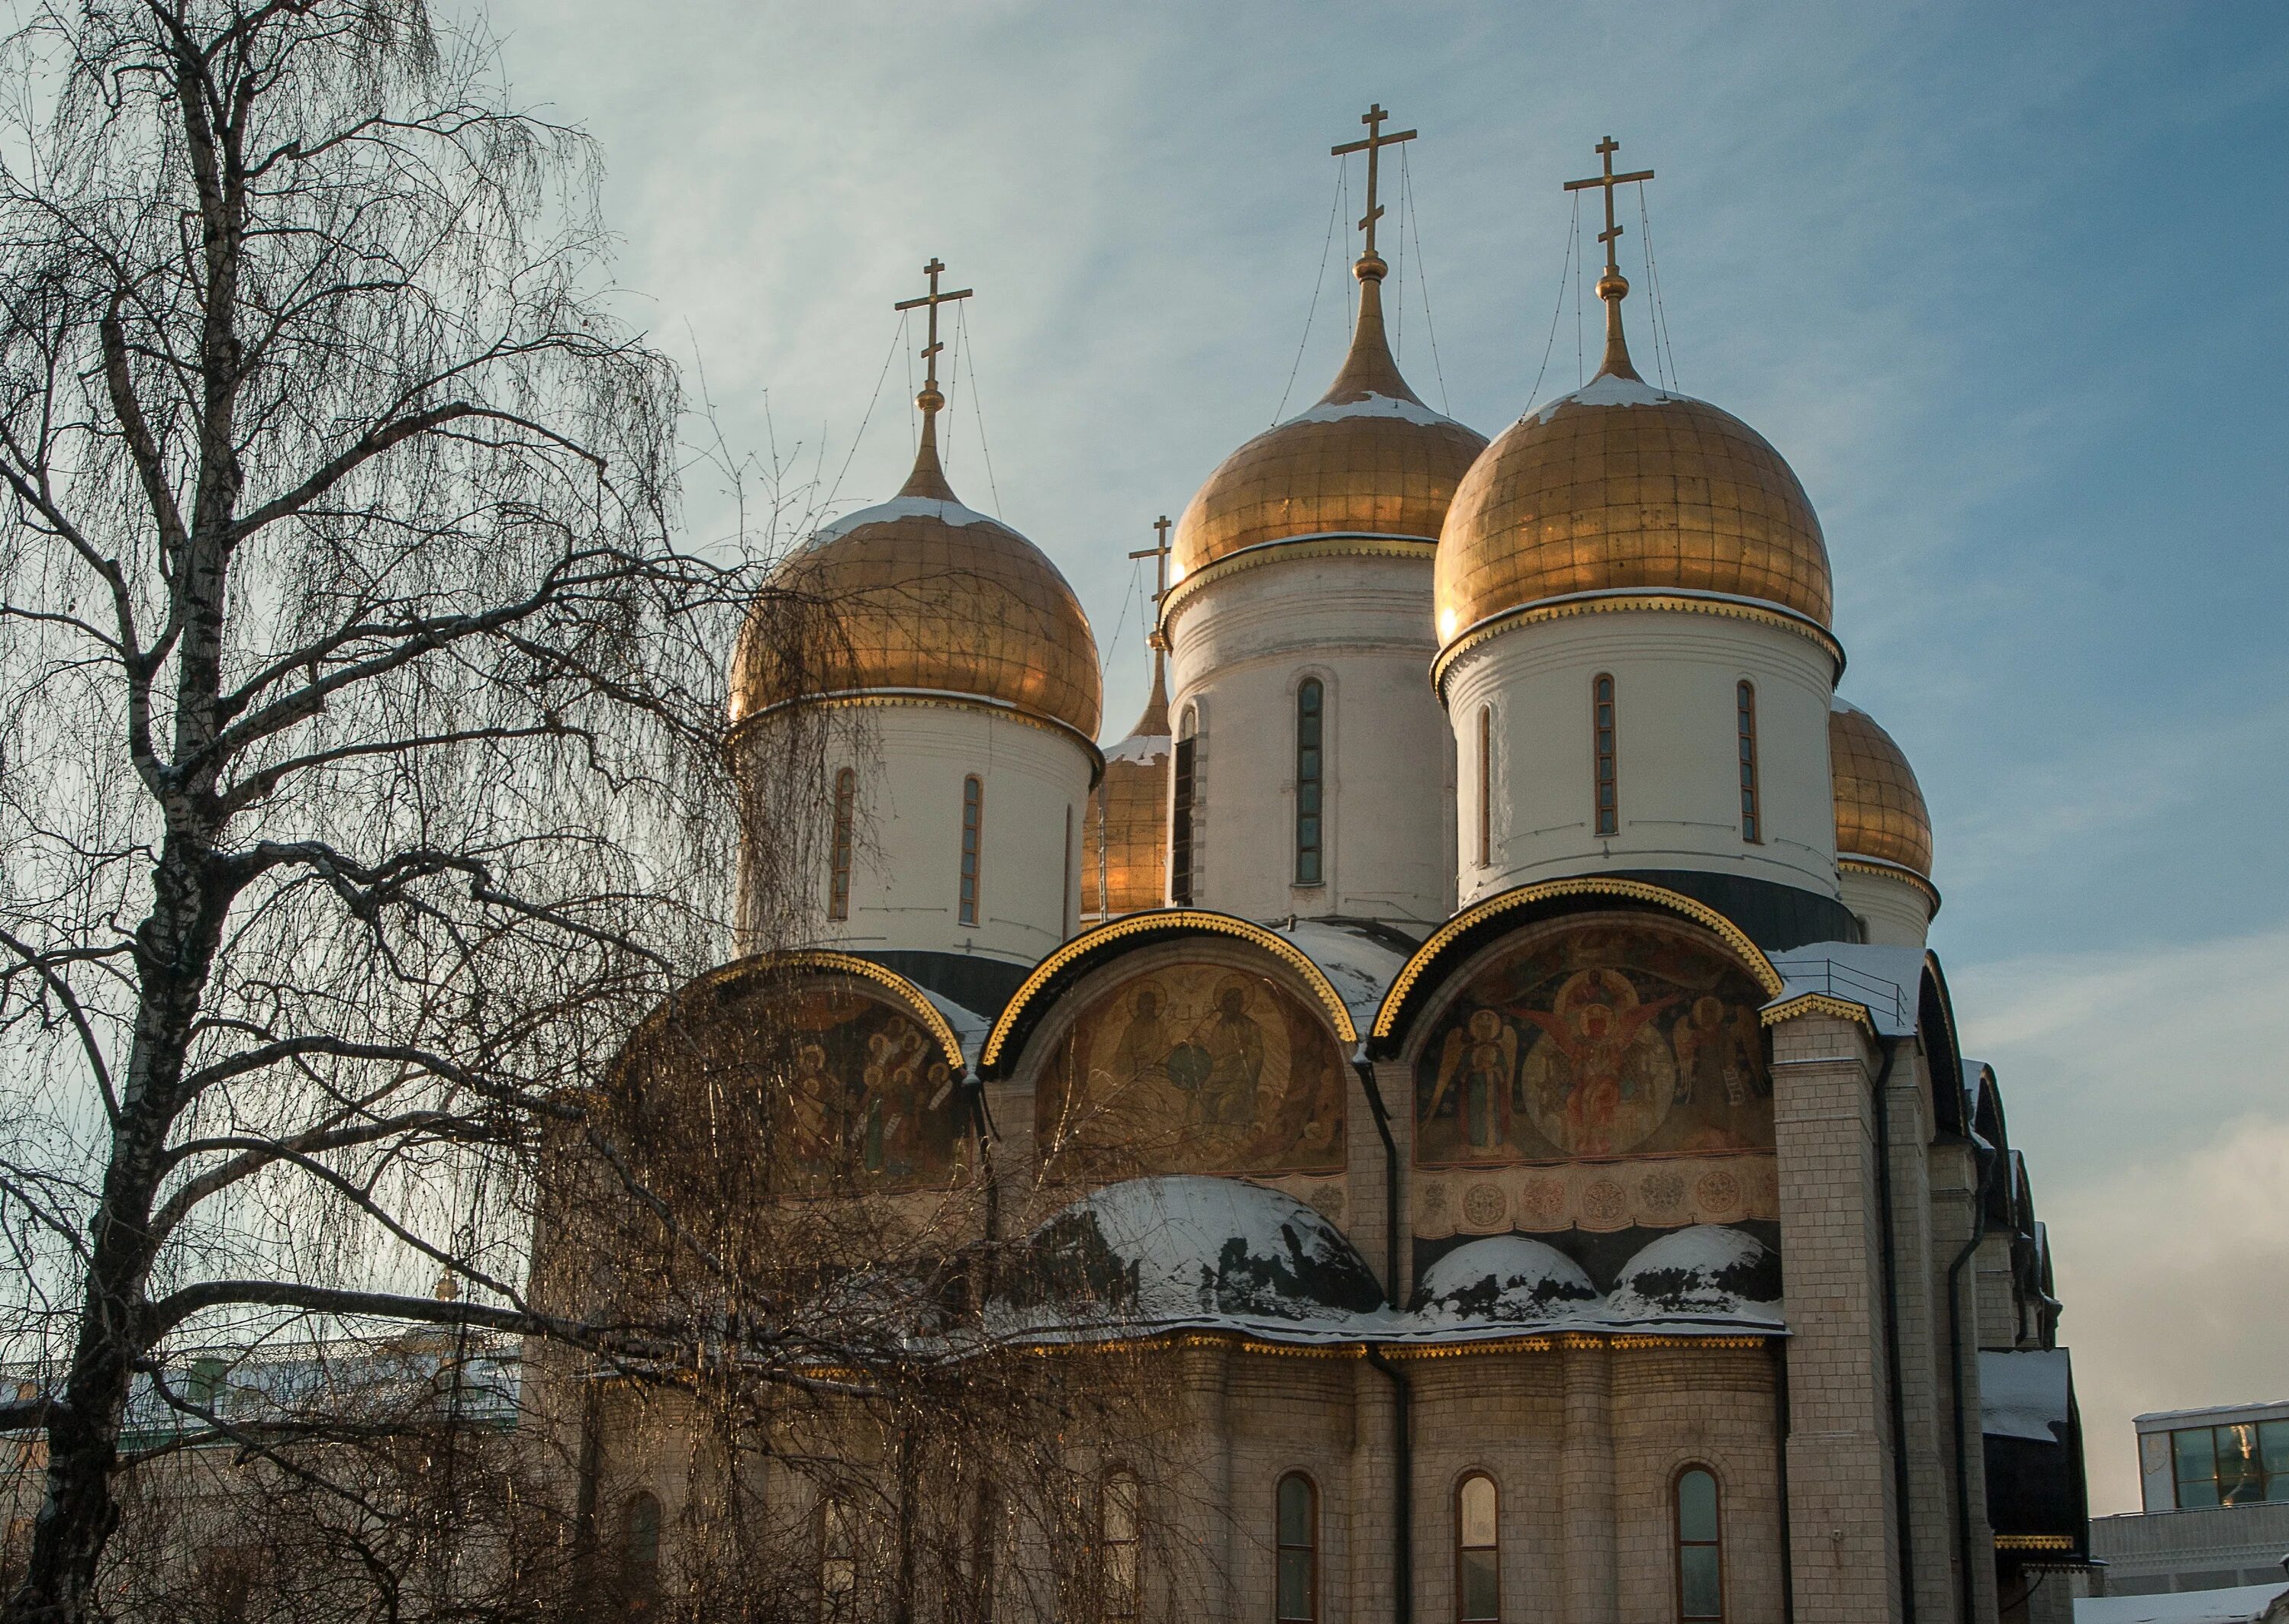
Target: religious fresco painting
x,y
1588,1041
869,1100
1195,1068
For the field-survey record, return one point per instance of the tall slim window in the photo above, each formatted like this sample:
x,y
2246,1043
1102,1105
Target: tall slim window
x,y
1310,763
1486,785
1180,811
846,813
1118,1545
640,1555
838,1563
1609,788
1477,1552
1700,1549
1744,707
1298,1601
973,834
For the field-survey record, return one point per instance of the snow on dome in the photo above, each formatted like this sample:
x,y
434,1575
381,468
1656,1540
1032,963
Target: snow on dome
x,y
1149,1253
1704,1273
1511,1279
1610,389
897,508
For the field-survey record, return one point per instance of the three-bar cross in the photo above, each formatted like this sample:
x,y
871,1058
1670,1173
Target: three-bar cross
x,y
1159,554
932,301
1605,149
1376,140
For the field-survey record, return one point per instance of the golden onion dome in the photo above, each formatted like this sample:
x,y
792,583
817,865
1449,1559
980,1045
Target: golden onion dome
x,y
1622,487
1879,808
922,595
1124,847
1370,460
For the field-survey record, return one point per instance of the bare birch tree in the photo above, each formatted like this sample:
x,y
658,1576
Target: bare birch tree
x,y
358,754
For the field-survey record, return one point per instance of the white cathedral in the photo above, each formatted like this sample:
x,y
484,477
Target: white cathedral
x,y
1484,1004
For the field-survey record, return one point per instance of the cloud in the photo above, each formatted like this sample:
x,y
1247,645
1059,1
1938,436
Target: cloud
x,y
2144,1090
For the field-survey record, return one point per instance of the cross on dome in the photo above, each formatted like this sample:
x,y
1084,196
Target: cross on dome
x,y
1159,553
928,477
1612,287
1376,140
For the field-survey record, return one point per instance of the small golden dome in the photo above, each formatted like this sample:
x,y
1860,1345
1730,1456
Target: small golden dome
x,y
1621,486
1370,460
1880,807
921,594
1124,847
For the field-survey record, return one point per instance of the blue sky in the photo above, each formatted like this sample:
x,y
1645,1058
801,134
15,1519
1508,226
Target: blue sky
x,y
2006,284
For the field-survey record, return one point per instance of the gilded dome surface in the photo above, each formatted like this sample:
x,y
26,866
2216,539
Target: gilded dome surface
x,y
1124,847
1370,460
923,594
1622,486
1880,807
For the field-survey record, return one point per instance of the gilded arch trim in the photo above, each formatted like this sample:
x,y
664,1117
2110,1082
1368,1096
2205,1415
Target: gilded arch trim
x,y
1393,1008
915,1001
1162,922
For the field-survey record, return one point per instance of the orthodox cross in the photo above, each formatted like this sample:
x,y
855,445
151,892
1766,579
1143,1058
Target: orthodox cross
x,y
1376,140
1159,554
930,400
1605,149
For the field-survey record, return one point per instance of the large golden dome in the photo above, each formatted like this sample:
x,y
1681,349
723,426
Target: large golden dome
x,y
922,595
1880,807
1124,849
1370,460
1625,487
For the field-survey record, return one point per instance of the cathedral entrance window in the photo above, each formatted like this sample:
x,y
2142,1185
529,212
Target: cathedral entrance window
x,y
846,813
1118,1569
1298,1581
1700,1548
1478,1551
1310,763
1744,707
1608,807
1187,777
973,831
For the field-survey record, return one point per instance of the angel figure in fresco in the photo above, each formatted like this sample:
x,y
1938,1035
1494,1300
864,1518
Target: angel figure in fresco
x,y
1478,1060
1227,1059
1602,1078
1716,1059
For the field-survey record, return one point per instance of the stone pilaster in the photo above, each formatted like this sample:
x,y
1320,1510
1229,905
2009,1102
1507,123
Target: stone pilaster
x,y
1586,1486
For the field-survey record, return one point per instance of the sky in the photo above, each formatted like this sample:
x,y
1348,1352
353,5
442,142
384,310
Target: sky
x,y
2004,283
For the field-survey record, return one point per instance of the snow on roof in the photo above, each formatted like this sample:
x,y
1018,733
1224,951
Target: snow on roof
x,y
1609,389
2025,1393
1139,747
1360,968
1886,980
1703,1272
1502,1279
900,507
2240,1604
2264,1408
1372,406
970,1027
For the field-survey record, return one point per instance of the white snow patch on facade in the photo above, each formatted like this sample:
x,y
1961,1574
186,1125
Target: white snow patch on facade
x,y
1703,1272
1146,747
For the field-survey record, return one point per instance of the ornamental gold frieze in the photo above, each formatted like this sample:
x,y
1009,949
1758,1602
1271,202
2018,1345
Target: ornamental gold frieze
x,y
1658,1193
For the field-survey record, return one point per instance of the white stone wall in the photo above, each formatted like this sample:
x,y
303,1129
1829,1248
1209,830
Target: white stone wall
x,y
1675,678
907,860
1896,913
1241,649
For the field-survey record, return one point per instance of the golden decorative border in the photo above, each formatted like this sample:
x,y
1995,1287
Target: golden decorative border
x,y
1817,1003
1884,868
2034,1541
833,963
1617,601
1321,544
1163,920
933,699
1386,1015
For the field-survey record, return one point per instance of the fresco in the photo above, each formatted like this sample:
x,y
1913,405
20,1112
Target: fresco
x,y
1195,1068
1596,1040
869,1099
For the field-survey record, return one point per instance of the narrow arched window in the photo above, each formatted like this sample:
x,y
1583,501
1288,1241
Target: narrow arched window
x,y
1118,1544
1311,764
973,838
1744,708
640,1555
1298,1601
1700,1548
838,1563
1486,785
846,813
1478,1551
1609,785
1187,777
